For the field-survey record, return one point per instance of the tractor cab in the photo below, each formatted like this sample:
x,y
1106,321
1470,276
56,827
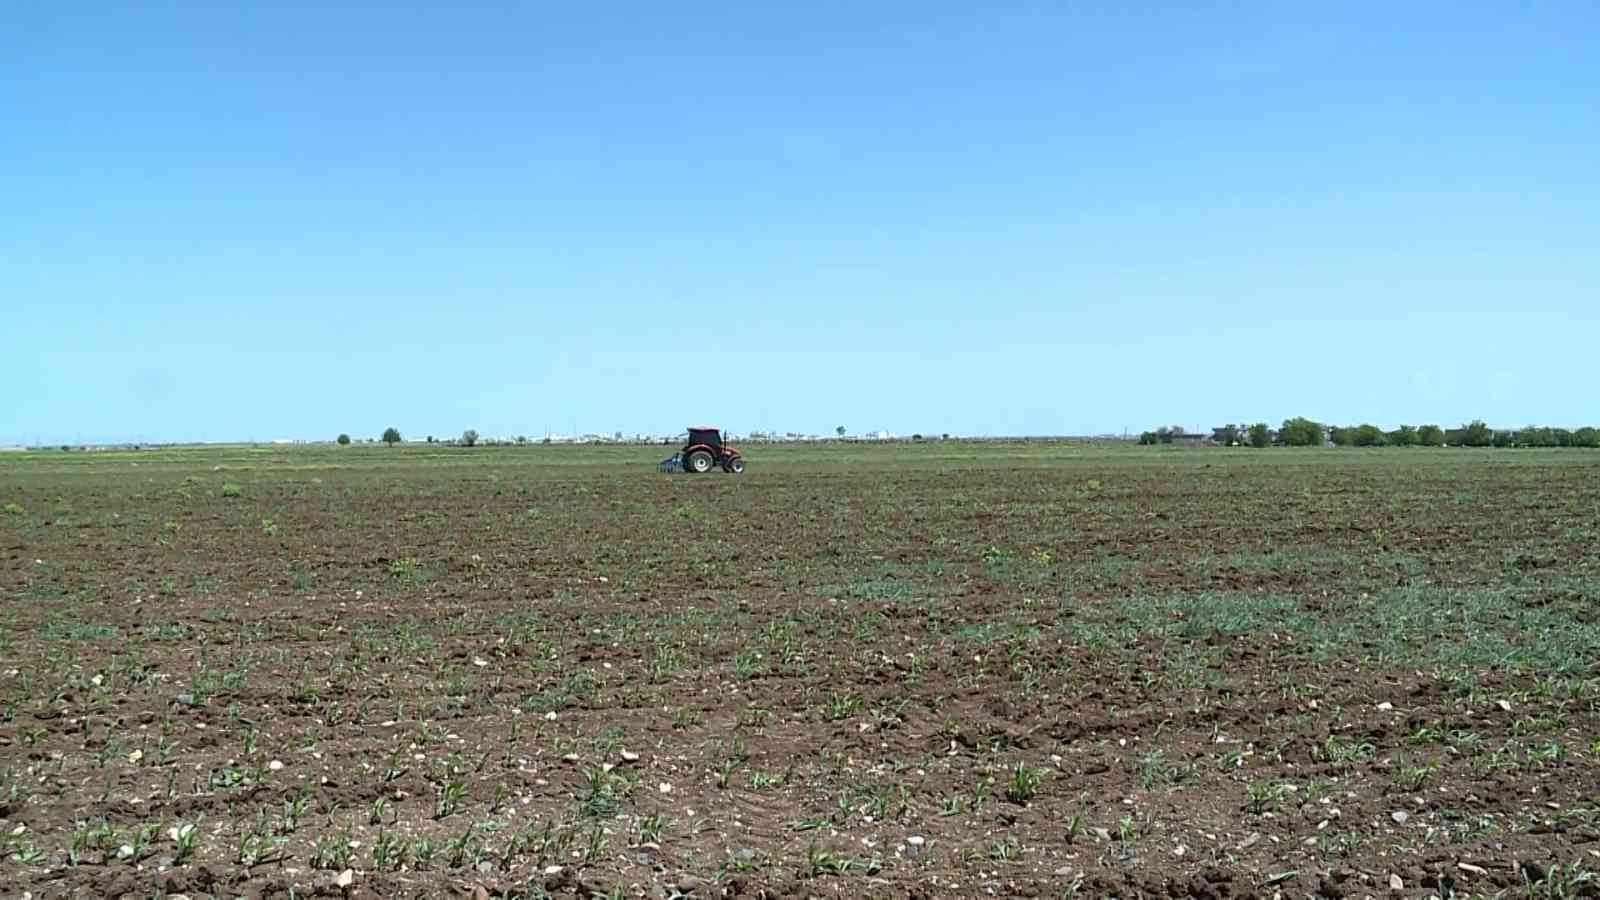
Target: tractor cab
x,y
710,437
706,449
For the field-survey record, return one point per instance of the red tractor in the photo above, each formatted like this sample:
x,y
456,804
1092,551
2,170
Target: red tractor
x,y
706,449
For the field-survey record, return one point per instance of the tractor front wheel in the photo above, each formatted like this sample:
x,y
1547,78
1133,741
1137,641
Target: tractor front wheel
x,y
736,465
699,462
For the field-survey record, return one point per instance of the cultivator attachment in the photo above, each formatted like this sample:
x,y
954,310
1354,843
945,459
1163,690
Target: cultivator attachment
x,y
673,463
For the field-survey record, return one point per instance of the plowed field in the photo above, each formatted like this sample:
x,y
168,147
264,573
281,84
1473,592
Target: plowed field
x,y
901,671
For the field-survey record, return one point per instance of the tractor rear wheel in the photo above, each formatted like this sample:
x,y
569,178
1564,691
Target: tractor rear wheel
x,y
736,465
699,462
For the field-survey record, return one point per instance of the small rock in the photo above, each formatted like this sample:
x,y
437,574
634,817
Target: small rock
x,y
1251,841
552,870
1505,705
276,765
688,884
1385,706
629,756
485,867
1396,883
665,788
550,716
1064,872
184,700
345,879
1400,816
1471,869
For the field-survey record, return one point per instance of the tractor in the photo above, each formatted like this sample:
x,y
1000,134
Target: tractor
x,y
705,449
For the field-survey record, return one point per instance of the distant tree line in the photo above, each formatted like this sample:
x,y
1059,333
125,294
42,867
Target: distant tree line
x,y
469,438
1303,432
1162,435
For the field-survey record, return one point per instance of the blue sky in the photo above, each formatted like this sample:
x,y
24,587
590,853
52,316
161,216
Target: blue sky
x,y
297,220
